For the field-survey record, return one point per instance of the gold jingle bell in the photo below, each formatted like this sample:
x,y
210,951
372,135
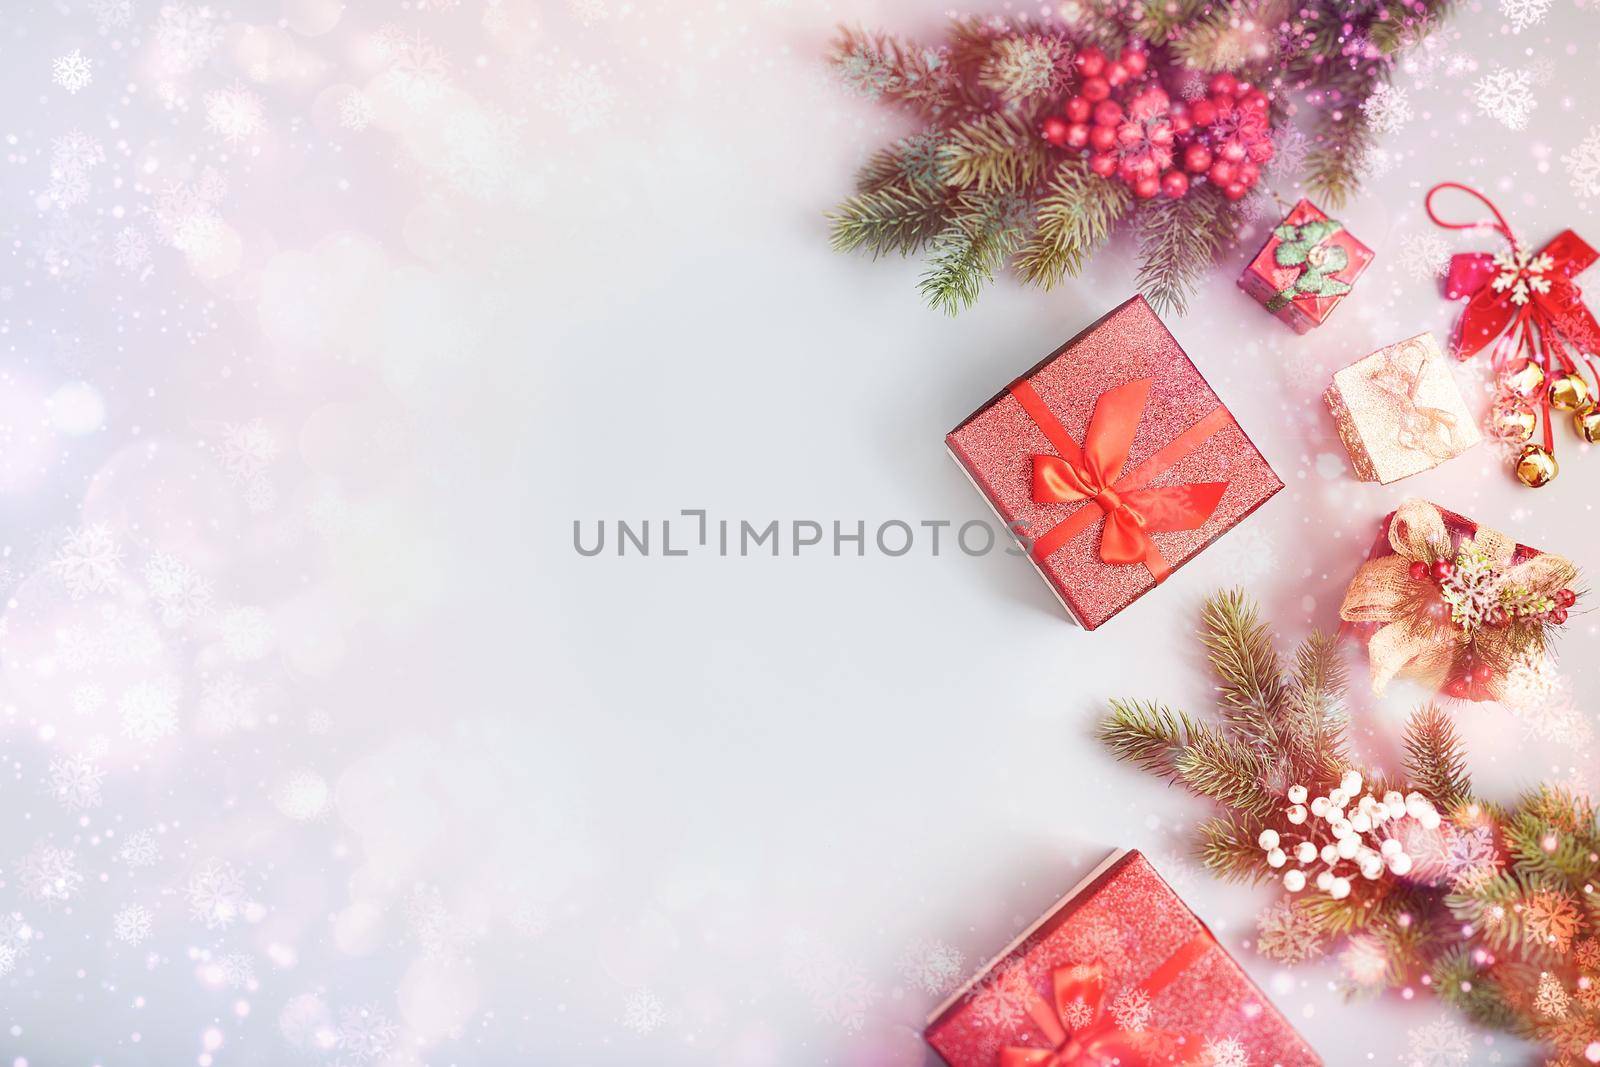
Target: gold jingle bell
x,y
1587,423
1536,467
1525,381
1569,393
1514,422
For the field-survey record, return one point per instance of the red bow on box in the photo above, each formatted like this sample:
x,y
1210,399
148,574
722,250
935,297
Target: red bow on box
x,y
1084,1031
1091,474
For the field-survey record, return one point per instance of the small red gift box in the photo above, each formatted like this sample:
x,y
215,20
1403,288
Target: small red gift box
x,y
1118,971
1115,462
1306,267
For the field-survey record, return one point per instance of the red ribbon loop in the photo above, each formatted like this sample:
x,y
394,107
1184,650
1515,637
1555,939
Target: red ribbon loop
x,y
1093,474
1084,1030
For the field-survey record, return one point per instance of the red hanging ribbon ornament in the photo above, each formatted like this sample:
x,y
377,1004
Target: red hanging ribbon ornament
x,y
1527,310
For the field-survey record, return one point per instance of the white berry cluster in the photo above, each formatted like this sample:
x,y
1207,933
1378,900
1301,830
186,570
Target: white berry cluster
x,y
1347,839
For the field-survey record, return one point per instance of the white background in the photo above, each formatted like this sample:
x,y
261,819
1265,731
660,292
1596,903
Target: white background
x,y
570,810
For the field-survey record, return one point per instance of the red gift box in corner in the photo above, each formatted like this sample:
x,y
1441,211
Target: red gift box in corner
x,y
1308,265
1118,971
1116,461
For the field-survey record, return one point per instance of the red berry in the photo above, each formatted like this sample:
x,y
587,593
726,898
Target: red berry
x,y
1222,172
1175,183
1161,136
1222,101
1457,687
1235,190
1248,173
1224,84
1254,100
1442,569
1233,152
1116,74
1203,112
1102,163
1133,60
1102,138
1147,187
1419,571
1261,151
1557,615
1096,89
1077,135
1178,110
1107,113
1197,159
1054,128
1566,598
1091,61
1078,109
1182,123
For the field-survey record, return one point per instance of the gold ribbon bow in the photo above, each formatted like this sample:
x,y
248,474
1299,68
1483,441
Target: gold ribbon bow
x,y
1422,428
1417,635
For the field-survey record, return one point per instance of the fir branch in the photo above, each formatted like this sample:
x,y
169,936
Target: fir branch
x,y
1075,218
1178,240
1314,714
880,66
996,153
894,218
1435,759
1149,735
1338,155
1230,851
1227,771
973,245
1239,646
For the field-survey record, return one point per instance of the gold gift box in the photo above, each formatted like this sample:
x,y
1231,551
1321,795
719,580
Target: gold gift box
x,y
1399,411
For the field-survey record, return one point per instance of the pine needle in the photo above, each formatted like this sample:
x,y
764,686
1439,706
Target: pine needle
x,y
1178,240
1338,156
1239,646
968,251
881,66
1231,852
1435,758
1150,735
1226,771
890,219
999,152
1075,217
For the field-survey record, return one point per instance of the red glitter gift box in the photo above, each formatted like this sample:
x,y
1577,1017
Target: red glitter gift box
x,y
1306,267
1115,462
1118,971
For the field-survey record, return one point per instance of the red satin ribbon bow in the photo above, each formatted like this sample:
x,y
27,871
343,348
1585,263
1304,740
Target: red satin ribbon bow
x,y
1085,1031
1528,307
1093,473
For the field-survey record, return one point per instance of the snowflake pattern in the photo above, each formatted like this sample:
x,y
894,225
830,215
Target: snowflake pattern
x,y
1550,999
1131,1009
234,114
1288,933
931,966
1226,1052
1387,108
73,71
216,894
643,1013
50,875
75,781
89,561
1506,96
132,924
1523,273
1424,255
1583,165
1524,13
1442,1043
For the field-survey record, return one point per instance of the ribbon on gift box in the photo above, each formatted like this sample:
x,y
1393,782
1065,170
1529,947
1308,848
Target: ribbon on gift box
x,y
1084,1030
1411,639
1421,428
1093,474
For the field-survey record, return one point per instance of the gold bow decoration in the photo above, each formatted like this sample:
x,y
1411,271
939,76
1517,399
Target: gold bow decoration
x,y
1455,617
1421,427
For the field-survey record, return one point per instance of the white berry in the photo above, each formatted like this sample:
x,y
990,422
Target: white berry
x,y
1400,864
1294,881
1276,858
1305,852
1297,794
1339,889
1296,815
1268,839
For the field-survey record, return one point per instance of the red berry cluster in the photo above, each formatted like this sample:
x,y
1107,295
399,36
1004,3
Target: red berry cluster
x,y
1439,570
1134,130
